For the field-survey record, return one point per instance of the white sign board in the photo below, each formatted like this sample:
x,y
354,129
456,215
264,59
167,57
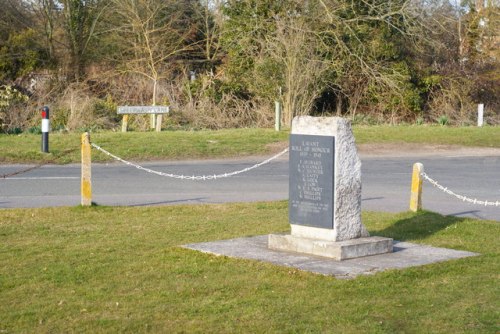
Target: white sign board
x,y
143,109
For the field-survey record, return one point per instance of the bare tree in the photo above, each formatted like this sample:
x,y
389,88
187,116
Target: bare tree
x,y
153,33
79,20
14,16
310,47
295,49
45,13
210,28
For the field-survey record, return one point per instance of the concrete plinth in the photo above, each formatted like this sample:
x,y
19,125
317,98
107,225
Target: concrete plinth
x,y
338,250
404,255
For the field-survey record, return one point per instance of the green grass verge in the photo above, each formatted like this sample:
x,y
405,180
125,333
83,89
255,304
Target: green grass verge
x,y
137,146
488,136
169,145
121,269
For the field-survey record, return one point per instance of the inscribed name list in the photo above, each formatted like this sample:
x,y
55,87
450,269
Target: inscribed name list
x,y
311,166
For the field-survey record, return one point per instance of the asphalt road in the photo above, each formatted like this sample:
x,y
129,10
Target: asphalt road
x,y
386,184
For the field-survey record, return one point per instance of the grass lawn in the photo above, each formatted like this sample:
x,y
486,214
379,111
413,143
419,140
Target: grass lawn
x,y
170,145
488,136
139,146
120,269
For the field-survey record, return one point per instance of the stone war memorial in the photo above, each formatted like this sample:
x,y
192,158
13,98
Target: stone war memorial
x,y
325,193
327,236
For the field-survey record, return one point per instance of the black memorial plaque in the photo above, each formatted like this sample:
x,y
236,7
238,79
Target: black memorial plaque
x,y
311,165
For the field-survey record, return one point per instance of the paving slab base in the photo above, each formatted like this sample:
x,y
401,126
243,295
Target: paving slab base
x,y
404,255
338,250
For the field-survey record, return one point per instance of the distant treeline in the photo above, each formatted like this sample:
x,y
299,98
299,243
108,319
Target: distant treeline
x,y
224,63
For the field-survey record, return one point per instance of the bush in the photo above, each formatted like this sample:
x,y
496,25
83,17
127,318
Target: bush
x,y
14,110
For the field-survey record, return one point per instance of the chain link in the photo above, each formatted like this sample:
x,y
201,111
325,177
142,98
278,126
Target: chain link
x,y
188,177
460,197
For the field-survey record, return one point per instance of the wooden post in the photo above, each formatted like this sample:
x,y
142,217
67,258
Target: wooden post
x,y
86,184
416,187
159,119
124,123
152,121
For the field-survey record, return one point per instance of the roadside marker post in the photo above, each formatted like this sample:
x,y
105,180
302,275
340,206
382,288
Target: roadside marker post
x,y
86,183
416,187
480,114
277,116
45,129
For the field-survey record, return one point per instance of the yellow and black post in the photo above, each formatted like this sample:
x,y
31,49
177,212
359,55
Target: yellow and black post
x,y
416,187
86,184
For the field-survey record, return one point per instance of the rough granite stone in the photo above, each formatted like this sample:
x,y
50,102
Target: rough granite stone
x,y
347,179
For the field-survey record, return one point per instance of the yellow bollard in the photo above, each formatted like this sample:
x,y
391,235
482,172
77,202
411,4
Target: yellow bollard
x,y
86,184
416,187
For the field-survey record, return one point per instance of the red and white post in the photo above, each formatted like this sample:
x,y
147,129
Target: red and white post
x,y
45,129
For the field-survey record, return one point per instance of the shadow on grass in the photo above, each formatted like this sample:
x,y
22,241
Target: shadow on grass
x,y
198,200
419,226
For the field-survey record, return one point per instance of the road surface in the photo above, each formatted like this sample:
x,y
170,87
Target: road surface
x,y
386,184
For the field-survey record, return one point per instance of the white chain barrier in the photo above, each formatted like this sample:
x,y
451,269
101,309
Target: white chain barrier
x,y
189,177
460,197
